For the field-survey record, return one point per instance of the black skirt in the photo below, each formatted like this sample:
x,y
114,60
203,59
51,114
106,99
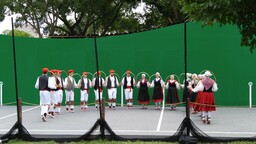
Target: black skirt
x,y
172,96
143,97
193,96
157,94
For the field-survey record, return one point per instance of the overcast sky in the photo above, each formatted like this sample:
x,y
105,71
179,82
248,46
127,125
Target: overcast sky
x,y
6,24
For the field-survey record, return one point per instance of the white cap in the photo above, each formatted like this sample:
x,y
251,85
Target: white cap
x,y
189,74
158,73
194,75
201,76
143,75
208,73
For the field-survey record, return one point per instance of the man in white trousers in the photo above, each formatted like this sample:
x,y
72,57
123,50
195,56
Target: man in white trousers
x,y
52,84
98,83
111,83
44,93
128,83
70,85
84,84
59,92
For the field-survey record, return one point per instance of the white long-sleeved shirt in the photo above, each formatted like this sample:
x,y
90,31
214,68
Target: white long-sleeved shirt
x,y
176,83
52,83
100,78
189,83
157,79
37,83
60,79
72,81
129,80
200,87
143,80
112,79
85,83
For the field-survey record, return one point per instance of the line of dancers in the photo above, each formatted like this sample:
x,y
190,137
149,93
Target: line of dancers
x,y
200,89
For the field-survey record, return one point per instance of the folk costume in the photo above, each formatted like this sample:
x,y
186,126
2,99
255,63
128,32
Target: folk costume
x,y
143,97
158,85
128,83
44,93
172,97
84,84
70,85
111,83
207,86
98,83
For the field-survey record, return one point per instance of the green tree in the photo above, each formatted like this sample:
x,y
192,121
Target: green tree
x,y
241,13
4,9
77,16
19,33
166,11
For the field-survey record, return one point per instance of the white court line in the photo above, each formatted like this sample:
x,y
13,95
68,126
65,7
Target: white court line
x,y
16,113
161,115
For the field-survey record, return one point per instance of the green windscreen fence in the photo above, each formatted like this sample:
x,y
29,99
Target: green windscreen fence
x,y
162,50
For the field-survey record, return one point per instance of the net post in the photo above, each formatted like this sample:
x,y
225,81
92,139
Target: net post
x,y
1,93
102,109
188,113
19,115
102,119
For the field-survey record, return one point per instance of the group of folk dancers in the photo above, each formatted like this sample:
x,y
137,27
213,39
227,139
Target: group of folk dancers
x,y
200,88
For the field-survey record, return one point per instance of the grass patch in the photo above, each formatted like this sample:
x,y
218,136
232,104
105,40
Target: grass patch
x,y
16,141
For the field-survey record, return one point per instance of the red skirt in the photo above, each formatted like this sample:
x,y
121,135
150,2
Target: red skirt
x,y
198,102
207,102
143,102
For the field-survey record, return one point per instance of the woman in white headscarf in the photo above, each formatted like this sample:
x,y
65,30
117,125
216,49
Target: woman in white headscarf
x,y
172,97
193,95
158,85
207,86
143,97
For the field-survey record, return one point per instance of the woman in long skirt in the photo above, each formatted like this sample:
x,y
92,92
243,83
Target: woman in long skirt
x,y
193,95
143,97
172,95
207,86
158,85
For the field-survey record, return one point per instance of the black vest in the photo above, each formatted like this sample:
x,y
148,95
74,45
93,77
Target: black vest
x,y
157,83
145,84
125,82
43,82
97,83
172,84
61,80
209,90
57,82
71,84
109,82
82,84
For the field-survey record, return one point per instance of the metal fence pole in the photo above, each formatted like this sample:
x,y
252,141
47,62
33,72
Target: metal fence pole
x,y
1,93
250,94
